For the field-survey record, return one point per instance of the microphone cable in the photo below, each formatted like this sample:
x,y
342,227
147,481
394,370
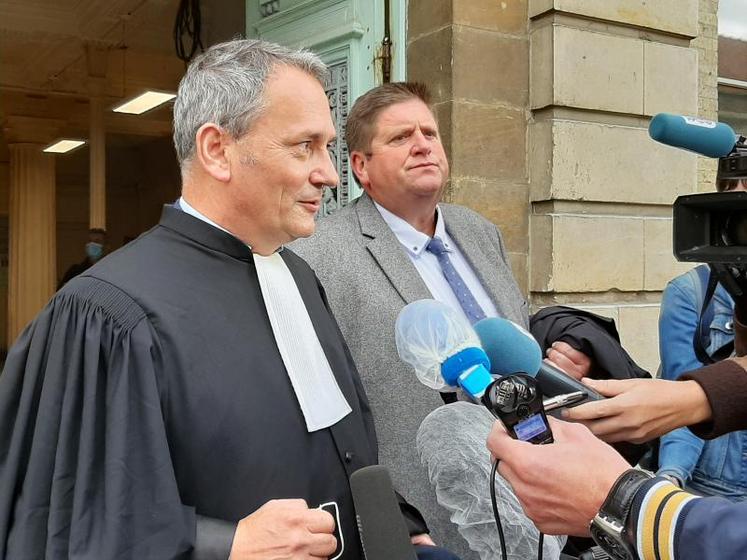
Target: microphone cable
x,y
497,517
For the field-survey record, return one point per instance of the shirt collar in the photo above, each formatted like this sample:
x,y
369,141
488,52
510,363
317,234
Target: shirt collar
x,y
411,239
197,230
186,207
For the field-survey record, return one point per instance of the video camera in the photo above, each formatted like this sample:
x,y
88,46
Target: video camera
x,y
711,227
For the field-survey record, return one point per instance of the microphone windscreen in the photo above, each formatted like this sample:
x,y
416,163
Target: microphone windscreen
x,y
451,445
707,138
510,348
427,332
382,528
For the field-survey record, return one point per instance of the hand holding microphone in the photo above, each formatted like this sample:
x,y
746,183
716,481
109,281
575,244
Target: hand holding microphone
x,y
639,410
553,482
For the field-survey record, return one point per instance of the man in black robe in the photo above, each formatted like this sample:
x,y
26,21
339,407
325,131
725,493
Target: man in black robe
x,y
150,410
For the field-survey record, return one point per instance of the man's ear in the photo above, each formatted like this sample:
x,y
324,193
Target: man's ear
x,y
211,150
358,162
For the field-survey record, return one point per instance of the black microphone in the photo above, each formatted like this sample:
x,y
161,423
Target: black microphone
x,y
553,381
382,529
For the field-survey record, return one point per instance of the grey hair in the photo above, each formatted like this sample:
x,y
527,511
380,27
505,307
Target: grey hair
x,y
225,85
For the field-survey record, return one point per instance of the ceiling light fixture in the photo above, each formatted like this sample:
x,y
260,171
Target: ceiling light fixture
x,y
63,146
144,102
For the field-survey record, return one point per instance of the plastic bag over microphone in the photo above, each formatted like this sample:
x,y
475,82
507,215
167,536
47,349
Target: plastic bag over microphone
x,y
427,332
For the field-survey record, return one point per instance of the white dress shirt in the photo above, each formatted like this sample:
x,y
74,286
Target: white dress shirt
x,y
426,263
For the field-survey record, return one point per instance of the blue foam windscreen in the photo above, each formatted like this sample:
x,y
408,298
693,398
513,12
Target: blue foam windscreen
x,y
509,347
707,138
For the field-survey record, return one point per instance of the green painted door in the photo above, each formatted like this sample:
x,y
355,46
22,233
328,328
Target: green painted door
x,y
347,35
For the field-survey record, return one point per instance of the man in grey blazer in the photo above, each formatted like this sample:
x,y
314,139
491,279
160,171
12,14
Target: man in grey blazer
x,y
373,257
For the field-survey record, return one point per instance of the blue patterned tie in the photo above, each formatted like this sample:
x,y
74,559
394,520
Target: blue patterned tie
x,y
468,302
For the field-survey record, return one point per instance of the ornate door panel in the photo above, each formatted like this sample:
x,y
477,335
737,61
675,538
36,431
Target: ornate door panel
x,y
347,35
338,95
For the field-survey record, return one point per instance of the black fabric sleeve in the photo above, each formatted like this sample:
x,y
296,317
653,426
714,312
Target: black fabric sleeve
x,y
725,386
416,525
213,539
85,469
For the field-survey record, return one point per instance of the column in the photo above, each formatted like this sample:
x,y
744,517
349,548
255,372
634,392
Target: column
x,y
97,163
32,251
97,60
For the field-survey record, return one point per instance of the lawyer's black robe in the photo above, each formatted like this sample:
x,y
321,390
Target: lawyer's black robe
x,y
150,391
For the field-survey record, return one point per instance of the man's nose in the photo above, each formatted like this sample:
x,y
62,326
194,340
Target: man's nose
x,y
420,143
326,174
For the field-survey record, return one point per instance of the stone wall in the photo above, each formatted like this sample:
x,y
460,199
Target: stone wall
x,y
544,107
706,44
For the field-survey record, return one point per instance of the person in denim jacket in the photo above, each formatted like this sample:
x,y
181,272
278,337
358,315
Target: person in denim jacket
x,y
717,467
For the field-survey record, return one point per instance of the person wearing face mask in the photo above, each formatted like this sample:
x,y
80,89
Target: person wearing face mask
x,y
95,250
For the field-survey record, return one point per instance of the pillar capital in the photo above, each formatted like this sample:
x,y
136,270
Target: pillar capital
x,y
21,129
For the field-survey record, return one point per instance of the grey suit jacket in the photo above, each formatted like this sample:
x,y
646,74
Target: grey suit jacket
x,y
369,278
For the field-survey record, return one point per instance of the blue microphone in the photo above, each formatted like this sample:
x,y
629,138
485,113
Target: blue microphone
x,y
511,349
704,137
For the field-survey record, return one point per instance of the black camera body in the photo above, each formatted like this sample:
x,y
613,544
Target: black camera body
x,y
712,227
